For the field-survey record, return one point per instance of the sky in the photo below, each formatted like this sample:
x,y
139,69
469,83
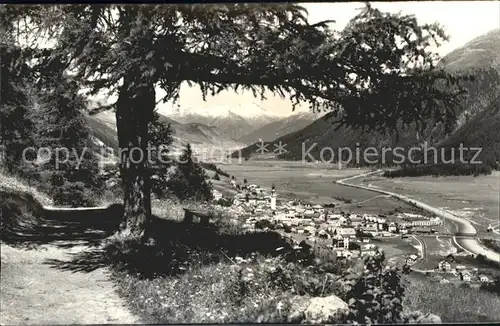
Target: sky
x,y
462,21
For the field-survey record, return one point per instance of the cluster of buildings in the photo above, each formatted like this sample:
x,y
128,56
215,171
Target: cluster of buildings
x,y
465,274
349,235
337,231
447,265
320,222
302,218
409,220
317,222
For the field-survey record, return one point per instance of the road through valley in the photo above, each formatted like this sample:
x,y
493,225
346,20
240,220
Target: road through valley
x,y
465,227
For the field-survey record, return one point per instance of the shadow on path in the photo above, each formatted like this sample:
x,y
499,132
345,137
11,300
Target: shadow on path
x,y
178,247
24,222
86,262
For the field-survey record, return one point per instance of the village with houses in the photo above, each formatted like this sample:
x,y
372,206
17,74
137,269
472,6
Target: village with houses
x,y
349,235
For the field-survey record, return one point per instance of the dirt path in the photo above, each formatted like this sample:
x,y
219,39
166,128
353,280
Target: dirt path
x,y
35,292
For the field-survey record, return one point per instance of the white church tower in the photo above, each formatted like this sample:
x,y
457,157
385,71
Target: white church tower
x,y
273,198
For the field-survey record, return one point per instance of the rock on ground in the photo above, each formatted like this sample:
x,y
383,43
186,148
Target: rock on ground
x,y
317,310
417,317
430,319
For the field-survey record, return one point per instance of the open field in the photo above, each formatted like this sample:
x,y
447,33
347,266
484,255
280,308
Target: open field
x,y
312,182
440,246
474,198
396,249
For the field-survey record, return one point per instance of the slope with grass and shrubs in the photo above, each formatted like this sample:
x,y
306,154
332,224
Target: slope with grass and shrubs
x,y
453,303
226,286
224,273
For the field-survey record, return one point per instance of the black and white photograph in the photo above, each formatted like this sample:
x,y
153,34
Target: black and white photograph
x,y
241,163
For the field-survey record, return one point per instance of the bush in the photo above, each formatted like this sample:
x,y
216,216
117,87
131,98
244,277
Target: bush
x,y
217,177
224,202
376,297
224,292
18,185
319,279
190,180
262,224
20,212
73,194
213,167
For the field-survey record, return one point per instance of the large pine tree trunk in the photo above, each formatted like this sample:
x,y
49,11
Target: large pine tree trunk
x,y
135,107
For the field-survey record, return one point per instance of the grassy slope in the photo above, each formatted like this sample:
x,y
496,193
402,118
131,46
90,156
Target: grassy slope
x,y
481,131
280,128
103,132
210,288
452,303
320,137
16,185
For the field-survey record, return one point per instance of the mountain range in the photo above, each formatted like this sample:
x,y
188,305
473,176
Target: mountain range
x,y
234,125
481,52
231,127
203,139
478,114
281,127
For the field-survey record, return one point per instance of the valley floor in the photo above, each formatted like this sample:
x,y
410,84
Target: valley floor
x,y
475,199
36,289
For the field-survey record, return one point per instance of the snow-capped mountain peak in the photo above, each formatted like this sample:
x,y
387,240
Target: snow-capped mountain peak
x,y
246,111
